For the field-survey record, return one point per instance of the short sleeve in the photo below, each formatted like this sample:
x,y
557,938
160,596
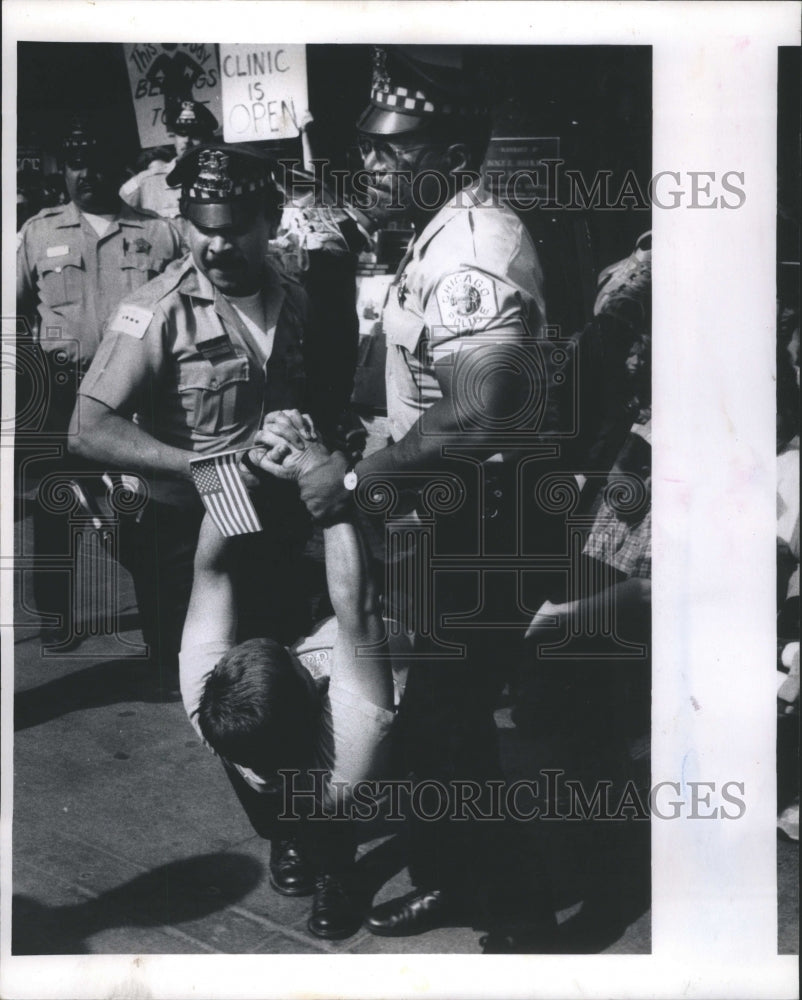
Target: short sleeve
x,y
128,360
471,301
131,193
25,278
362,737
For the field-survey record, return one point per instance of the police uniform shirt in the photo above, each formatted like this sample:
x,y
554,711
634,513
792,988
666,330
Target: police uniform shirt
x,y
75,279
149,191
178,355
473,270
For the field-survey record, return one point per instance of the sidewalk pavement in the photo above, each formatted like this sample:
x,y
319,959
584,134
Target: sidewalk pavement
x,y
127,837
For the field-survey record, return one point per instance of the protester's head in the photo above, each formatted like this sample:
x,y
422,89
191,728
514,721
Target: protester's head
x,y
190,124
93,169
233,205
425,128
259,709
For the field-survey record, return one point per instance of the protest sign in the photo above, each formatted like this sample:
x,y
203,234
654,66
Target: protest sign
x,y
162,73
264,91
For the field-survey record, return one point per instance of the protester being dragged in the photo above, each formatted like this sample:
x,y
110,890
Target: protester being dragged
x,y
326,703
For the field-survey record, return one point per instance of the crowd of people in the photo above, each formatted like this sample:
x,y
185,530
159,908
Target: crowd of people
x,y
457,571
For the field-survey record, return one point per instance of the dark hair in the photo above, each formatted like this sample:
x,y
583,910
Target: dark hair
x,y
255,709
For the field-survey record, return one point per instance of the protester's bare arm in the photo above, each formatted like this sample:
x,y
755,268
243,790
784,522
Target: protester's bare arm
x,y
353,595
361,659
212,612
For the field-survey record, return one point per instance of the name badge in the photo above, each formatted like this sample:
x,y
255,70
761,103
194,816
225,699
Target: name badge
x,y
57,251
216,348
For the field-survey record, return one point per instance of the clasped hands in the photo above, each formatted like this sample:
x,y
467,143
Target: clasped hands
x,y
288,447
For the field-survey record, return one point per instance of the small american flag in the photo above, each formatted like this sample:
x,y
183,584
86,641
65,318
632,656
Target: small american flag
x,y
218,481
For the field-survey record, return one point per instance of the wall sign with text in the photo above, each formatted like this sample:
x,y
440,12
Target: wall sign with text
x,y
513,165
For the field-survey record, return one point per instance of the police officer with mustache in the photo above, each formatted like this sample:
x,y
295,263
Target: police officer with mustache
x,y
188,366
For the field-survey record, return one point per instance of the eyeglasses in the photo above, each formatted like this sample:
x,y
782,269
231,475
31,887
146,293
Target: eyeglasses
x,y
388,152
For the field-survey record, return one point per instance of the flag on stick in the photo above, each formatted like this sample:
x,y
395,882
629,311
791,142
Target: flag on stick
x,y
223,493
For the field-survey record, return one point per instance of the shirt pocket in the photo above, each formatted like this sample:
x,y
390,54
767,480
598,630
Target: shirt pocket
x,y
61,279
219,398
139,268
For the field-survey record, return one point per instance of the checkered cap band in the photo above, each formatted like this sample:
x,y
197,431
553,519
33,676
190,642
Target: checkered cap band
x,y
414,101
234,191
79,143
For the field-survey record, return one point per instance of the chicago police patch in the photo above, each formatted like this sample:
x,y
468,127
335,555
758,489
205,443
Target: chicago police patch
x,y
466,299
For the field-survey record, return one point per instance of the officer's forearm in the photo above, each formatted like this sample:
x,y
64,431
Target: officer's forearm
x,y
101,435
421,448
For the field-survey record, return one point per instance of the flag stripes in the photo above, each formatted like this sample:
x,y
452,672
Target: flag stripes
x,y
224,495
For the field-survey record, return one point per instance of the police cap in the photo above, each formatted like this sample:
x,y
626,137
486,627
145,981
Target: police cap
x,y
223,184
82,145
191,118
415,86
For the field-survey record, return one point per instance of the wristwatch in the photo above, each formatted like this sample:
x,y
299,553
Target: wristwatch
x,y
350,479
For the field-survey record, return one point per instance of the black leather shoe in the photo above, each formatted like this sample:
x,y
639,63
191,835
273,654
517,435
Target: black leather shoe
x,y
414,913
334,913
289,873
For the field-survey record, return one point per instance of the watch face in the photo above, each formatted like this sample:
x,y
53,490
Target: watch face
x,y
350,480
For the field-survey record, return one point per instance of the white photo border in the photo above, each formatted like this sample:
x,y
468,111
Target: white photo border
x,y
714,912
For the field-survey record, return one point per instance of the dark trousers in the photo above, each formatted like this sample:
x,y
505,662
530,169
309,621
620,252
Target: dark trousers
x,y
446,721
328,844
158,549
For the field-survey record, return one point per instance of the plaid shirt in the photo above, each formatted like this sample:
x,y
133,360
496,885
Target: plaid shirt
x,y
626,547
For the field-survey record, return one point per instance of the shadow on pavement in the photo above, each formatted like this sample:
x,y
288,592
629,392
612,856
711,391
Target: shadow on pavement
x,y
170,894
108,683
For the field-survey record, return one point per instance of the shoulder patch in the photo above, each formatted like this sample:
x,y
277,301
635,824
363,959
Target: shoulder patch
x,y
466,298
132,320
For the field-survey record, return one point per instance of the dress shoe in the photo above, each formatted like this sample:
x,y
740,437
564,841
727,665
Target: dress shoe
x,y
334,913
289,873
414,913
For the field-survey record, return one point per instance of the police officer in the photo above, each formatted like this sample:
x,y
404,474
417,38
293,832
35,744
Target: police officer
x,y
190,124
461,319
188,367
196,358
75,262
